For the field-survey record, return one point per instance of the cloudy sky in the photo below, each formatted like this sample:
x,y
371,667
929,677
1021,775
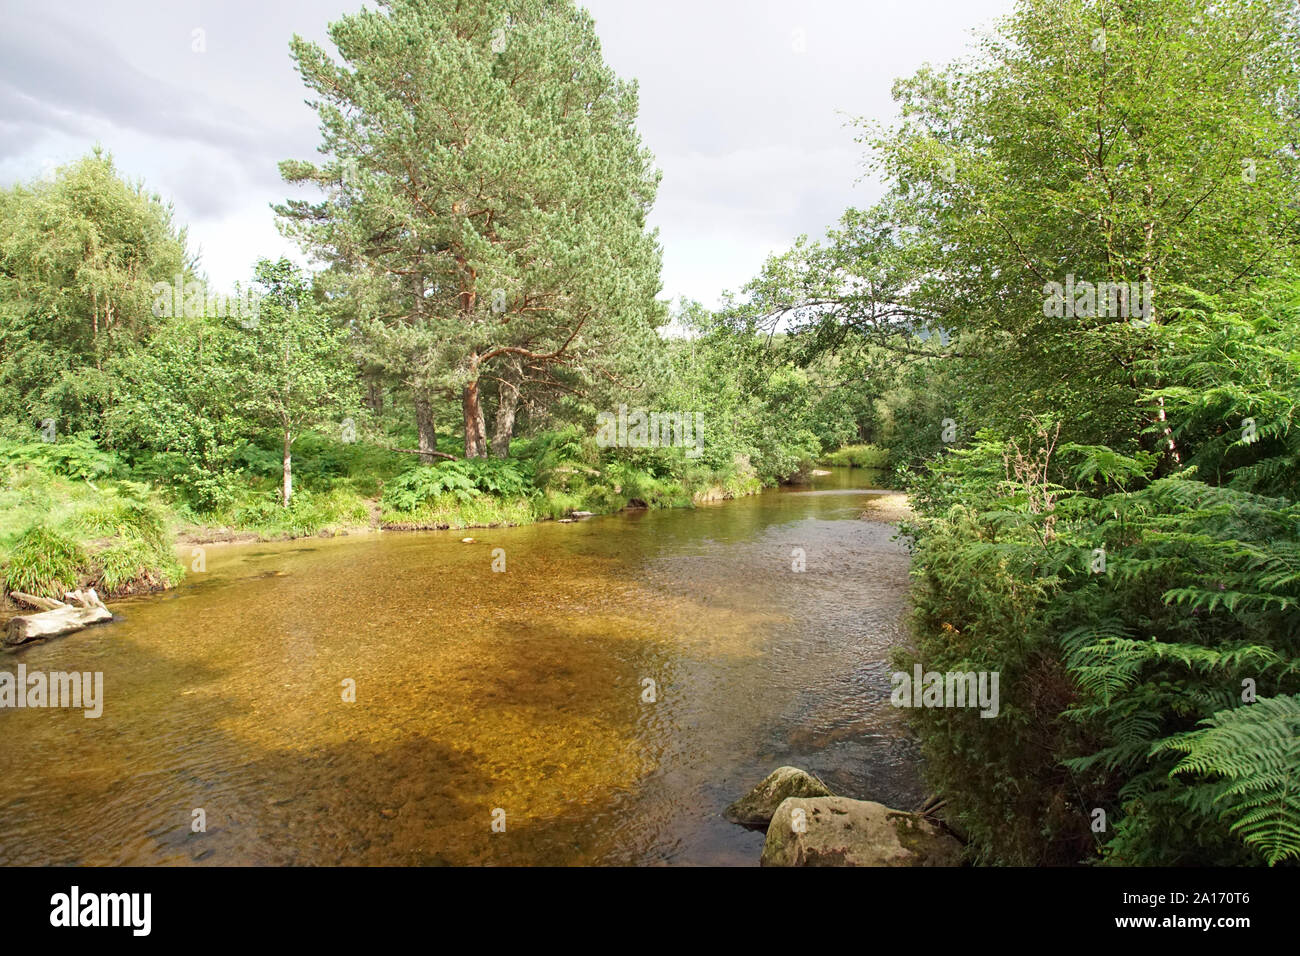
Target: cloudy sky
x,y
745,104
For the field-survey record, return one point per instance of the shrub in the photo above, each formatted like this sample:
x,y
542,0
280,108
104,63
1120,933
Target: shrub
x,y
133,565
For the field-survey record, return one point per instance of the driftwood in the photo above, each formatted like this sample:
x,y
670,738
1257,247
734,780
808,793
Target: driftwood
x,y
78,609
31,600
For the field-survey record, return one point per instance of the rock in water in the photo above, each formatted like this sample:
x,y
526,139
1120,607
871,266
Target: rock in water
x,y
838,831
755,809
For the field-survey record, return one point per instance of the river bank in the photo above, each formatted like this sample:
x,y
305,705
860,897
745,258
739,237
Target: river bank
x,y
476,689
73,516
62,531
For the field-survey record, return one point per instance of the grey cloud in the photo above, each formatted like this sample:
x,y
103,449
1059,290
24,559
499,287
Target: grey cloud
x,y
61,66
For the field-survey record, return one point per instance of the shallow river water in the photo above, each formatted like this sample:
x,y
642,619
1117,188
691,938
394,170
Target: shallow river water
x,y
524,691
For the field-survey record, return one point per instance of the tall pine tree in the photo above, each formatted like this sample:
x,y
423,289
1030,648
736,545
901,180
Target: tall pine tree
x,y
486,195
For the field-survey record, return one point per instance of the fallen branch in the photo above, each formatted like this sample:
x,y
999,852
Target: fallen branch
x,y
77,610
31,600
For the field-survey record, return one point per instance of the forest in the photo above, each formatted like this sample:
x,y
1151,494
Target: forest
x,y
1069,330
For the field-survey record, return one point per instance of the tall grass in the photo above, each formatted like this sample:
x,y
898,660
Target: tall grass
x,y
65,521
44,562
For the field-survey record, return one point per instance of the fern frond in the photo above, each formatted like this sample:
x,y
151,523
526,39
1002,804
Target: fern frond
x,y
1257,749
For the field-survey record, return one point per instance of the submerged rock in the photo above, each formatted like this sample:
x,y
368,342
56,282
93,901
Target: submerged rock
x,y
838,831
755,809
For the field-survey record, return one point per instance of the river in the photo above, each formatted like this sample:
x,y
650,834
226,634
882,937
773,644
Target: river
x,y
604,697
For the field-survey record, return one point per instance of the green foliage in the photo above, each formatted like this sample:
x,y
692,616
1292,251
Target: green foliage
x,y
1257,749
858,456
76,456
1114,529
60,528
1101,670
78,257
761,410
178,417
309,513
1119,666
463,479
133,565
558,455
291,368
509,185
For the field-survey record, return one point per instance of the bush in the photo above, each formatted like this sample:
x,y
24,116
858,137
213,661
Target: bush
x,y
74,456
134,565
557,456
309,512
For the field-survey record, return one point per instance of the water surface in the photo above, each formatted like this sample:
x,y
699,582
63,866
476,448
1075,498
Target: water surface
x,y
522,691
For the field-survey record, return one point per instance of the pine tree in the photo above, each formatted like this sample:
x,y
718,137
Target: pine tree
x,y
486,194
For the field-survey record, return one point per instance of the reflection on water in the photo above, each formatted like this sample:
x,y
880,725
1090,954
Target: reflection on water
x,y
477,690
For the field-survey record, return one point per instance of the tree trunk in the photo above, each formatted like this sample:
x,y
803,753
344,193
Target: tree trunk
x,y
475,430
1147,276
288,469
375,394
424,425
504,427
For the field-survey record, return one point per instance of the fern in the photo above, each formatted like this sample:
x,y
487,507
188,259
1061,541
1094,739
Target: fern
x,y
464,480
1257,749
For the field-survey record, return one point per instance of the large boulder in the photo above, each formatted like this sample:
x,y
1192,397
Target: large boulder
x,y
837,831
755,809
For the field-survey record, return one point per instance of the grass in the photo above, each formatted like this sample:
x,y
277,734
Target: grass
x,y
58,533
450,511
605,493
44,562
332,511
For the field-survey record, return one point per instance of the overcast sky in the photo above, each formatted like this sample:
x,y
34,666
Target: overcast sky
x,y
744,104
